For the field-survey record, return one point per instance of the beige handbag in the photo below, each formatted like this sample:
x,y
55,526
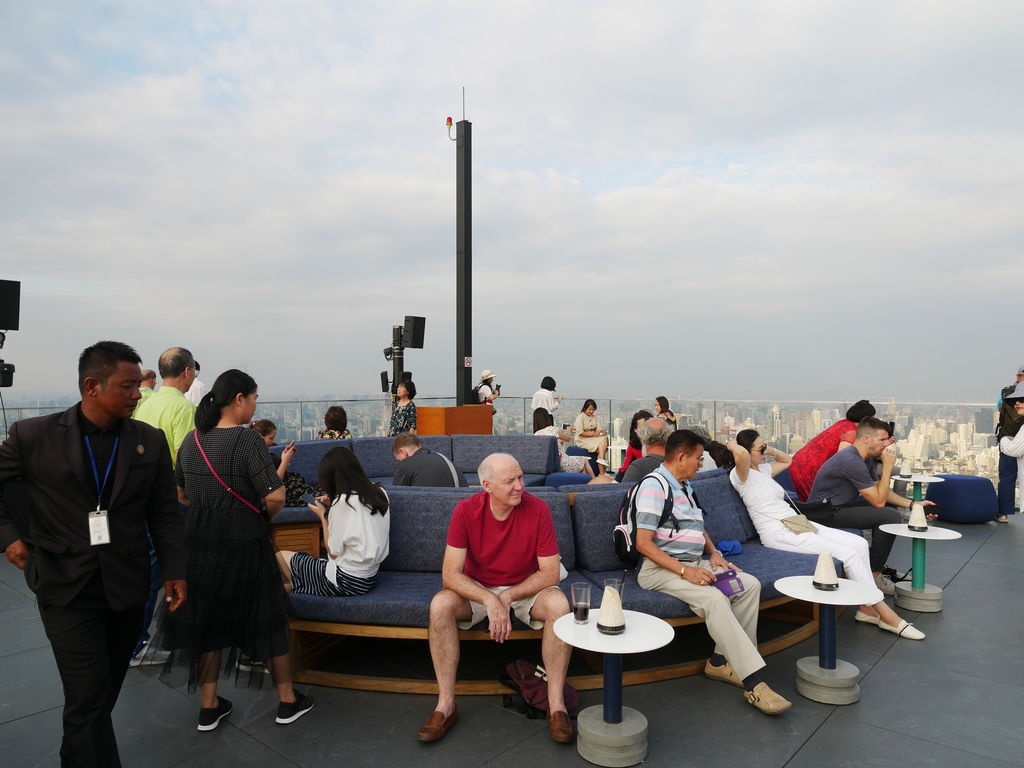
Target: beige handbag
x,y
799,524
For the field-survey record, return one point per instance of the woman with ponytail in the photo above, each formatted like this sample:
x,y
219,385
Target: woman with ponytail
x,y
236,599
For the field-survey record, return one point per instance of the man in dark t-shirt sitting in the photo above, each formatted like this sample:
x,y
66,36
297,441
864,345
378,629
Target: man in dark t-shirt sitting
x,y
421,466
863,499
502,556
653,434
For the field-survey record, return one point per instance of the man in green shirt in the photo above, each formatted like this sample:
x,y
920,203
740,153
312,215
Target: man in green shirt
x,y
167,408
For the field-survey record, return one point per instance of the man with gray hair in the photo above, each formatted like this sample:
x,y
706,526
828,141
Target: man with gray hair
x,y
502,555
169,411
653,434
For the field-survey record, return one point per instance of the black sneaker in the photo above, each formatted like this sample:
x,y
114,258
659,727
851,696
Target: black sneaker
x,y
210,718
291,711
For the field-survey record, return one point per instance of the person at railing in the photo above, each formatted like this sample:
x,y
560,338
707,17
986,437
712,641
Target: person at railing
x,y
654,434
634,450
236,596
861,496
1014,446
755,464
148,385
356,532
545,397
403,416
680,560
544,424
487,391
589,435
336,425
808,460
1009,425
662,411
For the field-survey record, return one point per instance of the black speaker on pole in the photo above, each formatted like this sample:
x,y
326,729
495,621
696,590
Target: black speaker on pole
x,y
10,307
412,334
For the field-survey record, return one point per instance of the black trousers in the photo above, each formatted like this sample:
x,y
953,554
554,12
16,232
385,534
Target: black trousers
x,y
865,517
92,645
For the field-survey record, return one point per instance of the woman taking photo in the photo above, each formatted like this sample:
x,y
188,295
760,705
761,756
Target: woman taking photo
x,y
589,435
545,397
355,531
403,417
765,501
236,600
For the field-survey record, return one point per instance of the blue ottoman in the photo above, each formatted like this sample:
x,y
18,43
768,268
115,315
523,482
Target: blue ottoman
x,y
964,499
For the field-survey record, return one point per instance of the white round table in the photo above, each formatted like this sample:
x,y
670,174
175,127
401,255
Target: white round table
x,y
823,677
613,735
918,482
919,596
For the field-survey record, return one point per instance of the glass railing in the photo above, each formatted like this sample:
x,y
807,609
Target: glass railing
x,y
931,437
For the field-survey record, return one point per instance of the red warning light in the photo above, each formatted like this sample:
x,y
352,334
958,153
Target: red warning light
x,y
448,122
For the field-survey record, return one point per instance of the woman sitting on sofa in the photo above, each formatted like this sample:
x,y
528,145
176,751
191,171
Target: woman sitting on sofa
x,y
335,425
355,529
589,435
766,503
544,424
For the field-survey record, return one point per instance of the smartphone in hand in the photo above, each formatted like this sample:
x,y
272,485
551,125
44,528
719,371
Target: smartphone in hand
x,y
308,498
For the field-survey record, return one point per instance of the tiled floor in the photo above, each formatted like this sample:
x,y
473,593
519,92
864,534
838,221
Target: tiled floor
x,y
952,700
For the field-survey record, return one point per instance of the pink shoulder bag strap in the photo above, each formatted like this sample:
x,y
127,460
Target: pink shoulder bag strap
x,y
228,488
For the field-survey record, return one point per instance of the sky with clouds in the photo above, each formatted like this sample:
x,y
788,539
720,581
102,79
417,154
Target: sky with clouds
x,y
760,200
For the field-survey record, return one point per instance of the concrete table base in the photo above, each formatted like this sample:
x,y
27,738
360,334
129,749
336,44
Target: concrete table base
x,y
611,744
829,686
928,599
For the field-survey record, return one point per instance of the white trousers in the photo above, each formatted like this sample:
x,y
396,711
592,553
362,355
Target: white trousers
x,y
850,548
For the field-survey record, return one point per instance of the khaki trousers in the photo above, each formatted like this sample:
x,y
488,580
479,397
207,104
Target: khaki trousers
x,y
731,621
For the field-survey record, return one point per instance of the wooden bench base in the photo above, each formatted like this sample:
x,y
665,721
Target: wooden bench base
x,y
316,642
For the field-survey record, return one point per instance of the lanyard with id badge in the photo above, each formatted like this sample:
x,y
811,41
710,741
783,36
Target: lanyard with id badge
x,y
99,525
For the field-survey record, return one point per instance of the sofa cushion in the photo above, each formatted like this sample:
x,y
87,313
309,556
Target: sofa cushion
x,y
595,516
725,516
399,599
419,527
308,454
529,480
536,454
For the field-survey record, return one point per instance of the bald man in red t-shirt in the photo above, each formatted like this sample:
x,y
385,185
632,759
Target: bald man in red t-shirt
x,y
502,554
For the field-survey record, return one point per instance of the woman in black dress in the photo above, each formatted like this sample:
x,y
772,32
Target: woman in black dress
x,y
236,600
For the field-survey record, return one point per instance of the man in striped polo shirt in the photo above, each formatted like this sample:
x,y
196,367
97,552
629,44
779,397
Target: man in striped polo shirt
x,y
680,560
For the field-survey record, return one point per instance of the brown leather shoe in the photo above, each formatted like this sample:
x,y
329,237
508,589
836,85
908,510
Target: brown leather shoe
x,y
437,725
560,727
724,673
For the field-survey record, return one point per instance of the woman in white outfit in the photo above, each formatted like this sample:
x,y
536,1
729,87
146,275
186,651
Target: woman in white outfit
x,y
1014,446
765,501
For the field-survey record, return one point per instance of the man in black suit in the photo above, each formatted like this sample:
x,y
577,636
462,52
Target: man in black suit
x,y
96,479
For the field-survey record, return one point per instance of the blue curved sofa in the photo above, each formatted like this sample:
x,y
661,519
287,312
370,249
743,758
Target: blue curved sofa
x,y
409,577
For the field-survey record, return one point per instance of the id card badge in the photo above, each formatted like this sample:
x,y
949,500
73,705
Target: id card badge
x,y
99,527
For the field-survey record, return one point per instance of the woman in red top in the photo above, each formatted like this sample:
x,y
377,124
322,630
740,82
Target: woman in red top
x,y
634,450
808,460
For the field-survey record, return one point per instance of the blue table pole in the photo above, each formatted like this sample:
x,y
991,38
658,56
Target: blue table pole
x,y
613,687
827,636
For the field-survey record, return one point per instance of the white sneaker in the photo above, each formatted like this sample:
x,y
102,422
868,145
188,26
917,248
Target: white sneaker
x,y
884,584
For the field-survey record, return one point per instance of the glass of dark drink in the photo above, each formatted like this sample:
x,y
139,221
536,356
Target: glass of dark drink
x,y
581,602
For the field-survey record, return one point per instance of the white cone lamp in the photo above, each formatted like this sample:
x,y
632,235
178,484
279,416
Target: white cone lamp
x,y
918,521
610,619
825,574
